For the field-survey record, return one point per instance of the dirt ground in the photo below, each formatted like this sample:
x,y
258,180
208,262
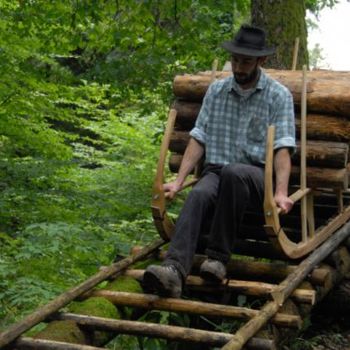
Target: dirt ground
x,y
329,325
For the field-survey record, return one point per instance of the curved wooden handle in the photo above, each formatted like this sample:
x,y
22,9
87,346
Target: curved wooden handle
x,y
163,223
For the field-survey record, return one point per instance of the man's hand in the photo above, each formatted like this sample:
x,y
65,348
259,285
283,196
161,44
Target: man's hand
x,y
283,202
171,188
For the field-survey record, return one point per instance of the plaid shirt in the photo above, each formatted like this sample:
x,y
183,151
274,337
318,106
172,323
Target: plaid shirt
x,y
233,125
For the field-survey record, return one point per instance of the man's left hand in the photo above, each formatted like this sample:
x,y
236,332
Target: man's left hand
x,y
284,202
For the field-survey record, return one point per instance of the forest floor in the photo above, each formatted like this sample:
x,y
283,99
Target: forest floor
x,y
329,327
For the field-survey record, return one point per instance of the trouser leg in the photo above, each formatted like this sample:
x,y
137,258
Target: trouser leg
x,y
240,186
196,212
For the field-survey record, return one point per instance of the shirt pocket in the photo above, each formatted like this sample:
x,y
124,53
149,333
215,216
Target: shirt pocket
x,y
257,130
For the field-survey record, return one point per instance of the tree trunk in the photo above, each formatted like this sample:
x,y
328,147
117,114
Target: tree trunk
x,y
284,21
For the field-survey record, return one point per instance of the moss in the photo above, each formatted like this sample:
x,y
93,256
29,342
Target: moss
x,y
124,284
69,331
99,307
95,306
66,331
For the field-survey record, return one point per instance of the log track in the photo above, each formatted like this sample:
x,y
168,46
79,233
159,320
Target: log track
x,y
269,289
262,300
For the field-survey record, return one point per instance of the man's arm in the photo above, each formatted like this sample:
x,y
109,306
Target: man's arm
x,y
193,154
282,163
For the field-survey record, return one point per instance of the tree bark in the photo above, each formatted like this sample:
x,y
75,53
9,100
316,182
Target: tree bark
x,y
283,21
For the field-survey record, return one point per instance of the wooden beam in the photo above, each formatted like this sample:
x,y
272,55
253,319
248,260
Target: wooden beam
x,y
154,302
244,287
284,289
251,327
173,333
147,329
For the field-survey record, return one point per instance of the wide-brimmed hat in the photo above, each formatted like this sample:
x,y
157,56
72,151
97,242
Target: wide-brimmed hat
x,y
249,41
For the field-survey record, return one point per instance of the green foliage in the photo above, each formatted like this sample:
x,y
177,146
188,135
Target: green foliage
x,y
315,6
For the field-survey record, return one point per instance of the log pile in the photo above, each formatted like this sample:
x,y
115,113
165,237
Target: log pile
x,y
328,121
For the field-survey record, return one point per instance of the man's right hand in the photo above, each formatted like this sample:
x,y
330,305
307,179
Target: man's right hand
x,y
171,188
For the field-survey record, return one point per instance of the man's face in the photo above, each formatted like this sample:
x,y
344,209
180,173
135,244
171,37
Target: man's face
x,y
245,69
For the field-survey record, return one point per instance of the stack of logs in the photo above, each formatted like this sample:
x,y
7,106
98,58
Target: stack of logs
x,y
328,121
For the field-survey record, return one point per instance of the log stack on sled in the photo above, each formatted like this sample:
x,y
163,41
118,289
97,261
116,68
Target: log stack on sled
x,y
328,121
327,95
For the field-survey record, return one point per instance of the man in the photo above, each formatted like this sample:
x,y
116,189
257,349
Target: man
x,y
230,132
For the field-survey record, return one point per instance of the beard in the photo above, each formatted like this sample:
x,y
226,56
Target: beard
x,y
244,79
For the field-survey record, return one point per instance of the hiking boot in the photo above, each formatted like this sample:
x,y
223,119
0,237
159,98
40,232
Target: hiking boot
x,y
212,270
164,280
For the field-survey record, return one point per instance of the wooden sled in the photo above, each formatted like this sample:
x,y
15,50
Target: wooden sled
x,y
324,202
285,291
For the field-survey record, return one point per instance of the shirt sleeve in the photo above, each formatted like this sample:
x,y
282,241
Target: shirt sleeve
x,y
284,122
199,132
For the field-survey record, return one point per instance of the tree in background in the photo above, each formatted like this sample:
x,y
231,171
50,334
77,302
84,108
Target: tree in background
x,y
284,21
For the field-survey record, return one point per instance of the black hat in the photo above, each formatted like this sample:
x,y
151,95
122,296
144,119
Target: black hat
x,y
249,41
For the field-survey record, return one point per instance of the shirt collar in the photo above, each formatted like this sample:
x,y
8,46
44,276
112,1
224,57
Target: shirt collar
x,y
259,86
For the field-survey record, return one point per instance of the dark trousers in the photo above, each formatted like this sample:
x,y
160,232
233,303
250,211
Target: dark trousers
x,y
215,207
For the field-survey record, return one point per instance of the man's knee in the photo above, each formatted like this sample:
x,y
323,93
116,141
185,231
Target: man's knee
x,y
235,171
201,194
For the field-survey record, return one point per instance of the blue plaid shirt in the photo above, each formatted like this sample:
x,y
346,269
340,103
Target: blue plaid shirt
x,y
233,125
